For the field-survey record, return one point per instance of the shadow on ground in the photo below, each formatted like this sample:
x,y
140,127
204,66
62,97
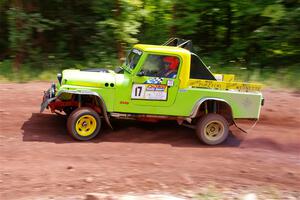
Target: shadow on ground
x,y
52,128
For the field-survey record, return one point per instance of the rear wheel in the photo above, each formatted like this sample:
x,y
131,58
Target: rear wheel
x,y
212,129
84,124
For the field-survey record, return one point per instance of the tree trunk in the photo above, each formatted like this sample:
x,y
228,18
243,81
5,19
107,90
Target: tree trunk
x,y
120,48
38,38
121,53
173,27
228,25
19,53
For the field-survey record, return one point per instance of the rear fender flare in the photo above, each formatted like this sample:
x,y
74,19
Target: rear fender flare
x,y
200,101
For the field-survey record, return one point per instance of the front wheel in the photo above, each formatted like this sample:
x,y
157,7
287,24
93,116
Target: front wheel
x,y
84,124
212,129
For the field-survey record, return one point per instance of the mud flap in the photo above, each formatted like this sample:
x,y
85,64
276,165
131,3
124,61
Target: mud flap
x,y
243,130
107,120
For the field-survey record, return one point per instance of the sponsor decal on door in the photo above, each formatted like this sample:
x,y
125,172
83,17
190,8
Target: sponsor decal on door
x,y
149,92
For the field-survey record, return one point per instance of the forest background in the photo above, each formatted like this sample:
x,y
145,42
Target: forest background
x,y
258,40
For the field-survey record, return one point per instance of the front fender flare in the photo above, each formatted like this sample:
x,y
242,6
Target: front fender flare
x,y
88,92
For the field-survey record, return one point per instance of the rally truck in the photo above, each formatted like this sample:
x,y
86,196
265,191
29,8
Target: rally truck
x,y
156,82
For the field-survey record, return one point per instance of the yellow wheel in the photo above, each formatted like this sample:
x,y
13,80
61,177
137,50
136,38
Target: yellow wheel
x,y
84,123
212,129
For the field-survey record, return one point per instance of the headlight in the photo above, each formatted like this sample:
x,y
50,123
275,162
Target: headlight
x,y
59,78
52,90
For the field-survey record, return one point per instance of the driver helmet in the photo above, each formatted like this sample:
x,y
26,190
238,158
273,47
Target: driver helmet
x,y
172,62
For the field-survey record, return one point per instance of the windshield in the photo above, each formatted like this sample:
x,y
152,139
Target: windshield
x,y
133,58
161,66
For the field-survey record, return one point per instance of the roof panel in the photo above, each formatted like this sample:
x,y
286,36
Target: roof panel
x,y
160,48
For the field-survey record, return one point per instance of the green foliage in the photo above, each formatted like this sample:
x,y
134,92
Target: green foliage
x,y
275,12
157,21
124,23
22,26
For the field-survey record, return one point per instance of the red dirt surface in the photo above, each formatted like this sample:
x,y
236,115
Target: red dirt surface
x,y
38,157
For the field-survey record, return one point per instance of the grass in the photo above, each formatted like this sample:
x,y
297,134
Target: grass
x,y
286,77
282,78
209,193
263,192
43,71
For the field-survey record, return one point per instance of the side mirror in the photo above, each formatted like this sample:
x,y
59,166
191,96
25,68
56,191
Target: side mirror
x,y
119,70
141,73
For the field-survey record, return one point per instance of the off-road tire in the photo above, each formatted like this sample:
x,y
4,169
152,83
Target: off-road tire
x,y
83,114
212,129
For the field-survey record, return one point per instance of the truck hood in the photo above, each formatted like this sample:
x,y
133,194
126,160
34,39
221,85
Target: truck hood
x,y
87,78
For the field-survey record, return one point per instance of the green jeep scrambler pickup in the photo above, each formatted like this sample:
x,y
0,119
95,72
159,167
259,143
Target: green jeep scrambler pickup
x,y
156,82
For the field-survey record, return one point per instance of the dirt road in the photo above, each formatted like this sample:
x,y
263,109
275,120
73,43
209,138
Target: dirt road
x,y
37,157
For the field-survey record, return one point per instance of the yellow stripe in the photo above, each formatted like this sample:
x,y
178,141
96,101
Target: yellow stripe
x,y
221,85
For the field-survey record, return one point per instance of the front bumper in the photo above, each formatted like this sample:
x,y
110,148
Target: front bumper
x,y
48,97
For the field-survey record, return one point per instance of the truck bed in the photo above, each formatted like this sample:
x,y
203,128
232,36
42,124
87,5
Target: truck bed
x,y
225,82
